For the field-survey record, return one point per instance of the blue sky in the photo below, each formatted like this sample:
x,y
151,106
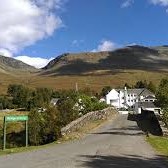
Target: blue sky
x,y
48,28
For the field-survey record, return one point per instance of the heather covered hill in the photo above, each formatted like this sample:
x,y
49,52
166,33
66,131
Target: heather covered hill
x,y
128,58
90,70
11,65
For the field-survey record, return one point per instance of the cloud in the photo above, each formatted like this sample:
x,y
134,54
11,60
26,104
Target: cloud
x,y
77,42
34,61
106,45
127,3
160,2
5,52
24,22
163,3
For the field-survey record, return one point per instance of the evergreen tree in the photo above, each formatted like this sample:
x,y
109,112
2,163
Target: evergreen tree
x,y
105,90
141,84
151,87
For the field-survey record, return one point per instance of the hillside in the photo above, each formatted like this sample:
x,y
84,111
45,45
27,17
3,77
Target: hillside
x,y
11,65
90,70
128,58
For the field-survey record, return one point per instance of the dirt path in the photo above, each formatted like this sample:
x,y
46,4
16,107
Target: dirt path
x,y
118,144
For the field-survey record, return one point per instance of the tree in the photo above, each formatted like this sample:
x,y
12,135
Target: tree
x,y
52,128
141,84
44,127
5,103
105,90
20,95
151,87
162,94
162,99
36,125
127,86
67,111
88,104
56,94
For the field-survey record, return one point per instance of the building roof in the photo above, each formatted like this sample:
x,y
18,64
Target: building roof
x,y
141,91
146,105
146,93
54,100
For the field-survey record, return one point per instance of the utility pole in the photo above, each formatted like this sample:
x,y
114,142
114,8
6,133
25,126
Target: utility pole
x,y
76,87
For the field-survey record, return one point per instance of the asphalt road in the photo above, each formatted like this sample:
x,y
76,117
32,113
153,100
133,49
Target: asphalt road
x,y
118,144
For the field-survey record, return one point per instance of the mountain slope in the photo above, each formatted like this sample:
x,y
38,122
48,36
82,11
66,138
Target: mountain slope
x,y
128,58
90,70
11,65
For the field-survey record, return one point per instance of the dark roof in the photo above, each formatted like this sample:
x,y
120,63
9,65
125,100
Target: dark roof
x,y
131,91
146,92
139,92
146,105
54,100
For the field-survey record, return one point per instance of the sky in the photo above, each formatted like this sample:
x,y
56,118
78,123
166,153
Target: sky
x,y
36,31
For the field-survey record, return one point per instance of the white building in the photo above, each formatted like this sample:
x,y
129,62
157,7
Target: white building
x,y
146,106
126,98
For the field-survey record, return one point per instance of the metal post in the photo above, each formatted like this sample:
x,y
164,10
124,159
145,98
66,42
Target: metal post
x,y
4,134
26,133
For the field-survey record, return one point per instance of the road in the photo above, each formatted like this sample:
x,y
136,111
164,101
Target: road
x,y
118,144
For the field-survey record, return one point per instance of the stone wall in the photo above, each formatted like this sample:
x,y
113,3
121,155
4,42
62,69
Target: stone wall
x,y
164,128
95,115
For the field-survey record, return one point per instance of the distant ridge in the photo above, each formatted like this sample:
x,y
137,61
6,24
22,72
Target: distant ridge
x,y
134,57
8,64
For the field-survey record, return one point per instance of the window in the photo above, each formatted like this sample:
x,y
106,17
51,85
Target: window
x,y
113,101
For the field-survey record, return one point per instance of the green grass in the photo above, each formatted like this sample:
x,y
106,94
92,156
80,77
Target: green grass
x,y
159,143
24,149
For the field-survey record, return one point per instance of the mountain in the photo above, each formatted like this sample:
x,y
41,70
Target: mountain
x,y
11,65
89,69
135,57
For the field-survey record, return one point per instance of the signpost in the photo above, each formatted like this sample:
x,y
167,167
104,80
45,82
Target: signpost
x,y
15,119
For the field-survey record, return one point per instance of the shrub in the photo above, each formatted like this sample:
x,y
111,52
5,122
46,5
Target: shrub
x,y
67,111
44,127
36,125
165,116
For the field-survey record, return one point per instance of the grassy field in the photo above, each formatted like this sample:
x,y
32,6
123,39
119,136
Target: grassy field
x,y
95,80
159,143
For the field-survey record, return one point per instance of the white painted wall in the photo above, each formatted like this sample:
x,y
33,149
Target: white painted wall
x,y
112,98
123,112
117,99
137,110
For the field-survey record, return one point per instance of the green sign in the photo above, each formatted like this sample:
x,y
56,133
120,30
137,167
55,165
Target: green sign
x,y
16,118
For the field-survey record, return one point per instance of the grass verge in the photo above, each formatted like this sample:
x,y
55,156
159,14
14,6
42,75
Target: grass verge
x,y
159,143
